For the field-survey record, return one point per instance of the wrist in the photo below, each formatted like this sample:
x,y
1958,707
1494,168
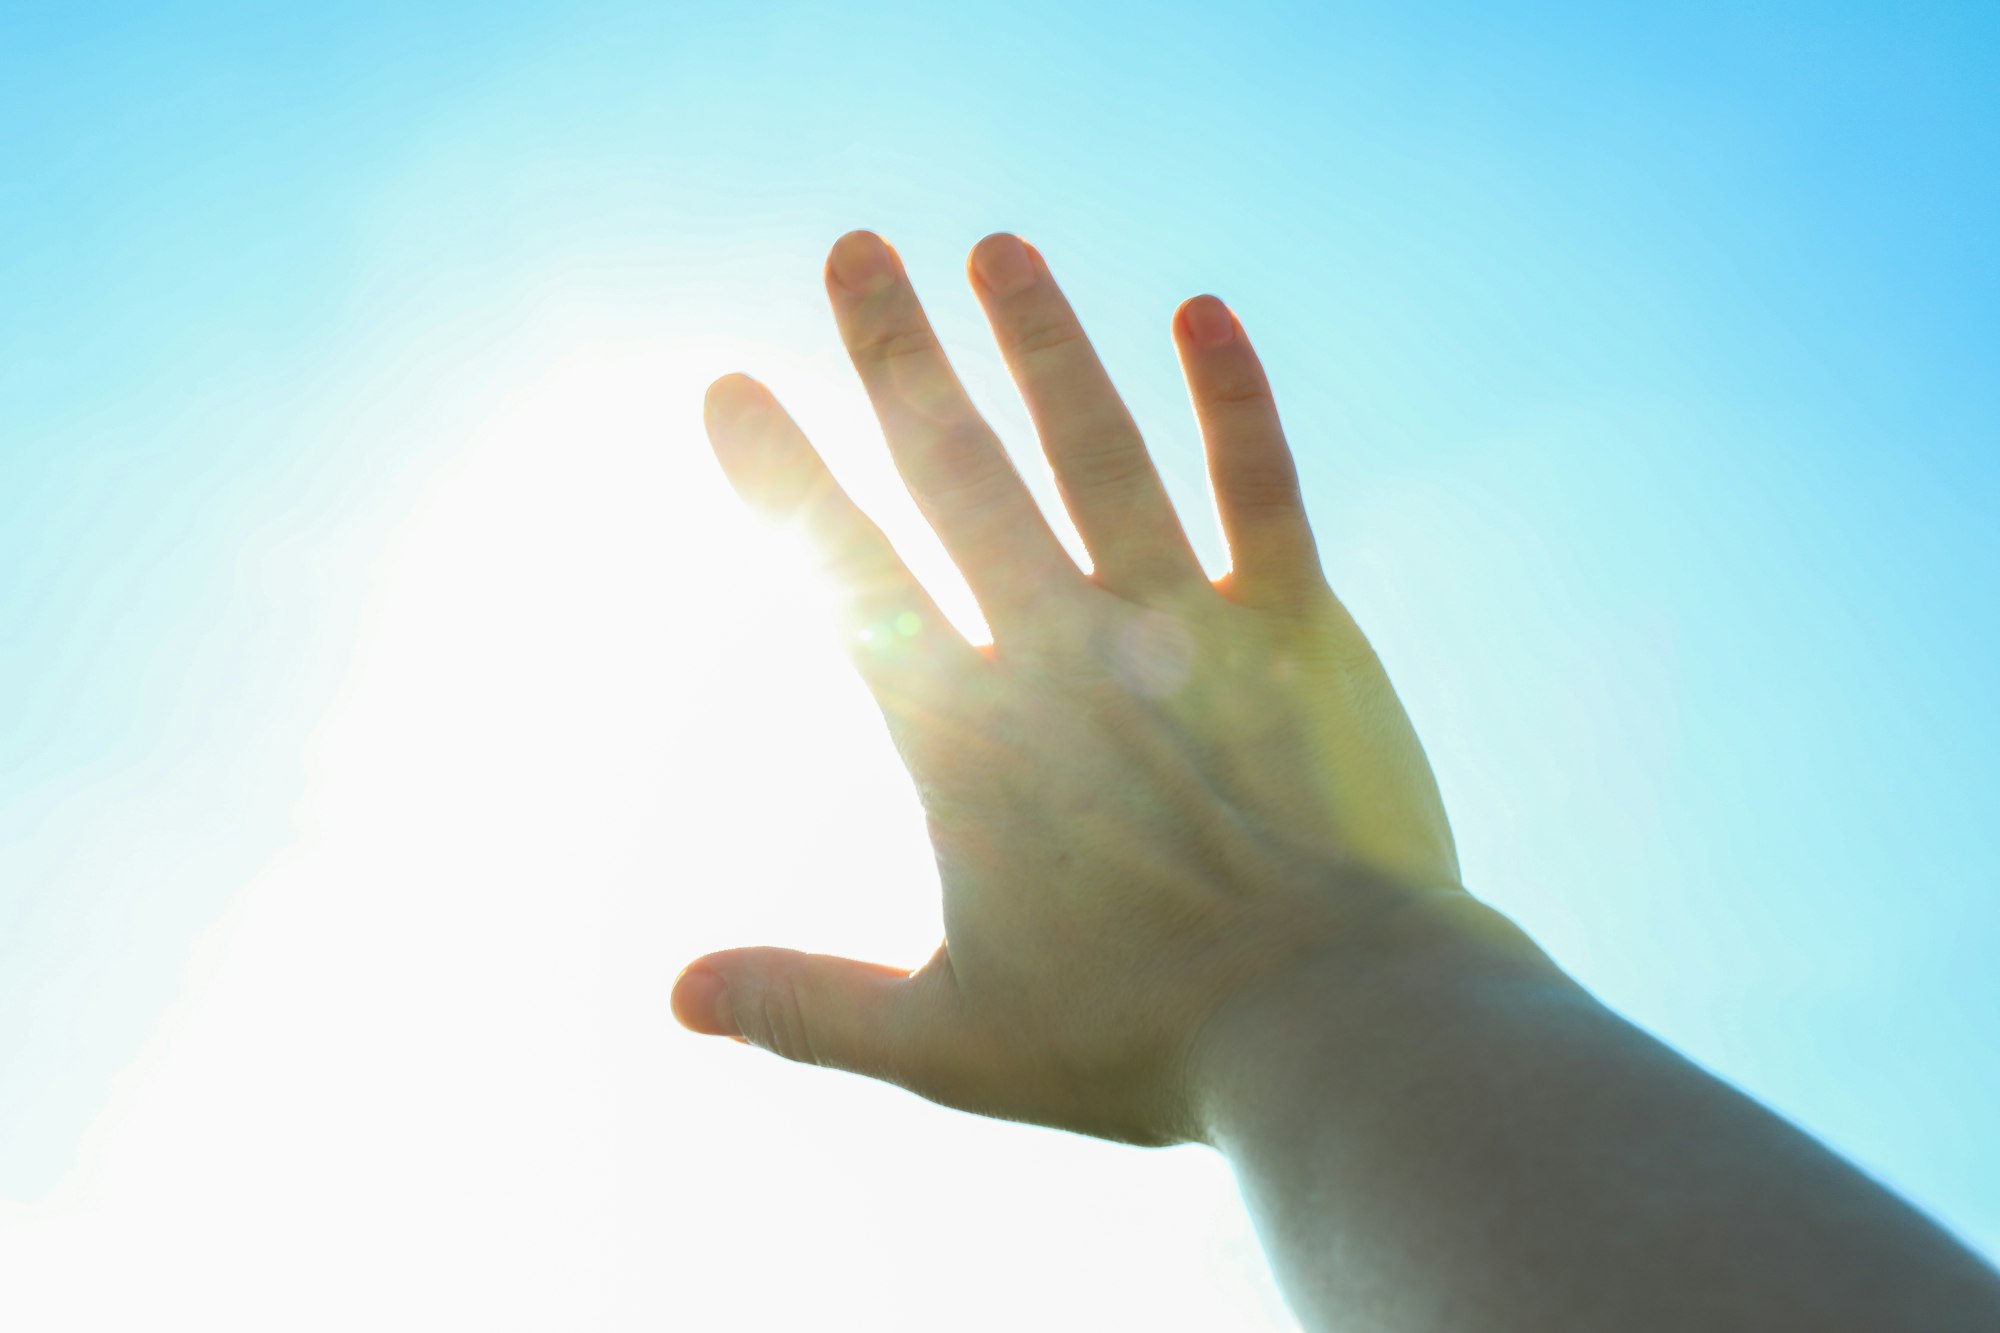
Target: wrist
x,y
1411,980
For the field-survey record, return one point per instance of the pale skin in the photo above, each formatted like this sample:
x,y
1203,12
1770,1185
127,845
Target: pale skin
x,y
1199,887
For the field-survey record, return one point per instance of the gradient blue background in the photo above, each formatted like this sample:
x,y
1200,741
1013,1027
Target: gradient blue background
x,y
1641,365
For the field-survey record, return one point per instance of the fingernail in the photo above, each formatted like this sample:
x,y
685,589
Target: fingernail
x,y
862,263
701,1002
1209,322
1002,264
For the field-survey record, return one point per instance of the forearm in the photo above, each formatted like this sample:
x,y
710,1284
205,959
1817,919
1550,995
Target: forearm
x,y
1460,1137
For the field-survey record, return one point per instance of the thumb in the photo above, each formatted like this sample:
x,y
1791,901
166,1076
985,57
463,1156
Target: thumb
x,y
865,1018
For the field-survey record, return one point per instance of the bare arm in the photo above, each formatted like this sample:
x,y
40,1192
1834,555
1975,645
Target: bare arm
x,y
1199,886
1451,1134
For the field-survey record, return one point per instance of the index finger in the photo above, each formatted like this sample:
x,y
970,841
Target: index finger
x,y
889,620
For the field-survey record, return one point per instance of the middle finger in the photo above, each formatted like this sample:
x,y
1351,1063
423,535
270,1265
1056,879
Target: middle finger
x,y
1108,482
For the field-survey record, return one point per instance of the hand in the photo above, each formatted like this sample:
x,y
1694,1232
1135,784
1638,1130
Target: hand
x,y
1151,793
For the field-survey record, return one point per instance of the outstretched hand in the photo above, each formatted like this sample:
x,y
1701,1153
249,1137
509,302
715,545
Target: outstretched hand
x,y
1153,792
1198,885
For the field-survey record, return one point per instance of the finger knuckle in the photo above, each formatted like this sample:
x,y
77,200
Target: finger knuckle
x,y
853,551
963,471
1261,486
1047,337
893,344
777,1022
1238,395
1102,461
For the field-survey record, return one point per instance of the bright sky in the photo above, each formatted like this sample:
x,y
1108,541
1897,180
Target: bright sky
x,y
392,697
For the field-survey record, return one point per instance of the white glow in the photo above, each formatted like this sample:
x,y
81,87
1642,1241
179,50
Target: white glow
x,y
424,1074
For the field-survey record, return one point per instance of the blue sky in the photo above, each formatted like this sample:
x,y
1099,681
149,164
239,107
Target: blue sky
x,y
1640,365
